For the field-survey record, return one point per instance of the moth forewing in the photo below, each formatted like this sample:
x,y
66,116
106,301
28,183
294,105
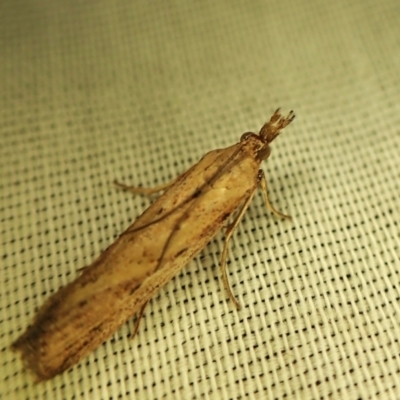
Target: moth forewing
x,y
116,286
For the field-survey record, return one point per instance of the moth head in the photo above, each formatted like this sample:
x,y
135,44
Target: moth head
x,y
272,129
269,131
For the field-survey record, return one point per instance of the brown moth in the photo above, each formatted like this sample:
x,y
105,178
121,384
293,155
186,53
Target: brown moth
x,y
194,207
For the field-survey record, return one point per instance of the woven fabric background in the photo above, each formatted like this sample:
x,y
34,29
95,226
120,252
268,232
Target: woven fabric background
x,y
92,91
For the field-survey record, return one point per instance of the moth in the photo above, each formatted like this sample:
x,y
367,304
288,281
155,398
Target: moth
x,y
117,285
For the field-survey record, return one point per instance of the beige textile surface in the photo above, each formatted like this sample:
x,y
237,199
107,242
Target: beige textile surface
x,y
139,91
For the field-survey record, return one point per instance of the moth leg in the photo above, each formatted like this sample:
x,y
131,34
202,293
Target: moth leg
x,y
138,319
263,184
142,190
229,232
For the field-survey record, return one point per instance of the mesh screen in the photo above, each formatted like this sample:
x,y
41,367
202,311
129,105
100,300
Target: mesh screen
x,y
139,91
